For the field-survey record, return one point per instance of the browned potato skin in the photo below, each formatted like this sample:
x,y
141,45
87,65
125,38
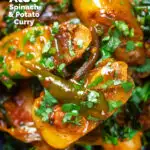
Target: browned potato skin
x,y
104,12
67,32
133,58
19,111
64,135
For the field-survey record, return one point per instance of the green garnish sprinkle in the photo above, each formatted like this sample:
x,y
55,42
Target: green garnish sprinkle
x,y
98,80
114,104
130,46
46,106
127,86
19,53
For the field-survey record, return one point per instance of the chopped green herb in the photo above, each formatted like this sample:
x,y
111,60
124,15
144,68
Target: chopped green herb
x,y
129,133
1,60
72,113
32,39
8,83
139,44
11,48
122,27
29,56
131,34
31,36
130,46
87,104
46,106
62,6
127,86
96,82
110,44
107,84
52,51
106,54
46,47
112,132
106,38
117,82
69,107
77,86
55,28
93,97
19,53
38,33
28,37
114,104
80,43
5,71
47,62
72,117
75,21
61,67
88,147
71,52
49,98
141,93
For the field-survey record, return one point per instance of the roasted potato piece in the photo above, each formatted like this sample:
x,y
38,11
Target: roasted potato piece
x,y
58,43
19,114
105,12
113,74
66,135
134,57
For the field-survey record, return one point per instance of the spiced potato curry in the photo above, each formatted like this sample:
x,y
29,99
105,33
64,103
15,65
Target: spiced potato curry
x,y
78,77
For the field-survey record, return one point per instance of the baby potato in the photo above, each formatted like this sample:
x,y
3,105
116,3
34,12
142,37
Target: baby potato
x,y
57,44
134,57
110,77
66,135
104,13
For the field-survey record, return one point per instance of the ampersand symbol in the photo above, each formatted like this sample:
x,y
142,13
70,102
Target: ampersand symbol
x,y
10,14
